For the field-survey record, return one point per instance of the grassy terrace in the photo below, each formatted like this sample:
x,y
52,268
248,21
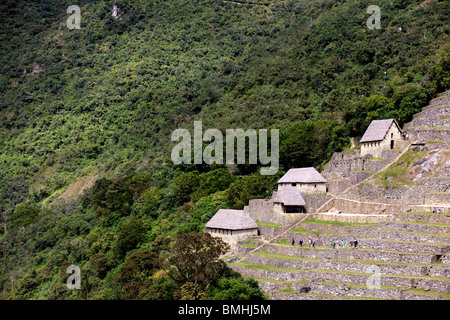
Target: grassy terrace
x,y
249,265
412,242
427,212
336,223
285,257
398,171
429,293
425,223
413,232
331,296
269,225
284,242
248,245
302,230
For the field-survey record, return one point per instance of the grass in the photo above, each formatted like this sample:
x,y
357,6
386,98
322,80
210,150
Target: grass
x,y
435,142
398,171
429,293
269,225
287,282
284,257
249,265
337,223
287,290
317,233
248,245
378,159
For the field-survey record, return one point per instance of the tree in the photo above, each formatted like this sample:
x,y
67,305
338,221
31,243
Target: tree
x,y
235,288
195,258
131,233
138,264
23,215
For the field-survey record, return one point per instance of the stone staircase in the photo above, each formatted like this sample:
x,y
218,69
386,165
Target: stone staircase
x,y
411,254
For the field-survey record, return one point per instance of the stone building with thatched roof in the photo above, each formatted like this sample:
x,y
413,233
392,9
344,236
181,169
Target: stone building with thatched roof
x,y
306,180
288,199
381,135
232,225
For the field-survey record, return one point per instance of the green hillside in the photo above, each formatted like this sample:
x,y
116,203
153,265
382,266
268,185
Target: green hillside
x,y
85,171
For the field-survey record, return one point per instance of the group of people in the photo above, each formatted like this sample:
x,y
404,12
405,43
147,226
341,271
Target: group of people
x,y
336,243
437,210
300,242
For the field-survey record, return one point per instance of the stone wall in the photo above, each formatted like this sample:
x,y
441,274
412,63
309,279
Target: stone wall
x,y
261,210
405,282
313,203
308,188
345,162
352,218
432,134
353,254
337,186
409,195
237,235
345,266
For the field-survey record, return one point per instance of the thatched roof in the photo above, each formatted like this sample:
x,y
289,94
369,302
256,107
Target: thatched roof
x,y
377,130
302,175
289,196
231,220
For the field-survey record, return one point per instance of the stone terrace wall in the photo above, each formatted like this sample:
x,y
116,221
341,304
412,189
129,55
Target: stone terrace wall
x,y
261,210
315,202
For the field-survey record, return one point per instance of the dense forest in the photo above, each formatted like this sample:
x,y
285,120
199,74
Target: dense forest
x,y
95,107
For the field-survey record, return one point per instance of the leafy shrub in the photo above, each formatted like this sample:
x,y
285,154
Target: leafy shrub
x,y
23,215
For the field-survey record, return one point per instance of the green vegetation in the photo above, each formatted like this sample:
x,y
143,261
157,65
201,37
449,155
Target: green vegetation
x,y
284,257
337,223
429,293
397,173
85,171
269,225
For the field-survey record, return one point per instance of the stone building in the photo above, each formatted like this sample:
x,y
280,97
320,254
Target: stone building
x,y
232,225
306,180
288,199
381,135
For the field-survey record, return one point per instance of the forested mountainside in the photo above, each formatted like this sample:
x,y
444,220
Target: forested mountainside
x,y
86,117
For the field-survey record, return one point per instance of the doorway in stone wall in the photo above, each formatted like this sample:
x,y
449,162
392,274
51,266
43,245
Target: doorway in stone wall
x,y
392,144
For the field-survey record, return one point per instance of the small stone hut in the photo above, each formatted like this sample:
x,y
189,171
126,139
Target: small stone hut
x,y
381,135
306,180
288,200
232,225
